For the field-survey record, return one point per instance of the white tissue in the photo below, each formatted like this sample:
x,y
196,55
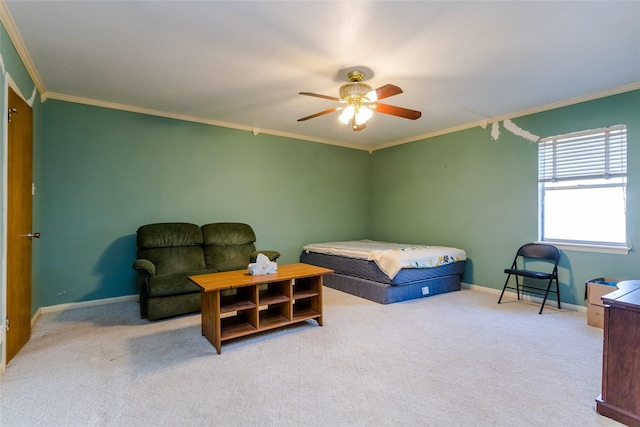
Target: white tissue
x,y
262,266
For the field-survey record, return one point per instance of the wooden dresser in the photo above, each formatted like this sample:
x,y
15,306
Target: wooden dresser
x,y
620,398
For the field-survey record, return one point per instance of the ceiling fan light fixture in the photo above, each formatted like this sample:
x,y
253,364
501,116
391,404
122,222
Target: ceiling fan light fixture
x,y
371,96
347,114
362,115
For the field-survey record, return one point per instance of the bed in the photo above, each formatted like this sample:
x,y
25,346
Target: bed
x,y
388,272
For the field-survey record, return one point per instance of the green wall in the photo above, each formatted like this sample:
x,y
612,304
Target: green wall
x,y
465,189
107,172
102,173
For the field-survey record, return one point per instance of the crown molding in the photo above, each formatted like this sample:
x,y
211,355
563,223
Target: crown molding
x,y
183,117
16,39
540,109
483,123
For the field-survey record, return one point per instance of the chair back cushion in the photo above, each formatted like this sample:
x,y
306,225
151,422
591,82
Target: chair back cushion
x,y
173,247
228,245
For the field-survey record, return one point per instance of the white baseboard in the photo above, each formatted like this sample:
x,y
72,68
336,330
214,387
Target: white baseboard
x,y
82,304
565,305
74,305
92,303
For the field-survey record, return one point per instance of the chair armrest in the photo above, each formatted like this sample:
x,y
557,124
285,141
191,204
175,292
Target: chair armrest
x,y
145,267
272,255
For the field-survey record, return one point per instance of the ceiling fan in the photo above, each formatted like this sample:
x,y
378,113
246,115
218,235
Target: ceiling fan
x,y
360,101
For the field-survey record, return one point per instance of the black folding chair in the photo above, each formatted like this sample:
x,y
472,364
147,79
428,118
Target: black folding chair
x,y
526,253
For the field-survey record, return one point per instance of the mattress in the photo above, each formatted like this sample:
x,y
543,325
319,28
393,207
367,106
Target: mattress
x,y
369,270
357,271
391,258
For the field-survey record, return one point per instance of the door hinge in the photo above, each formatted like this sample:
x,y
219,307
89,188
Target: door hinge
x,y
11,111
6,322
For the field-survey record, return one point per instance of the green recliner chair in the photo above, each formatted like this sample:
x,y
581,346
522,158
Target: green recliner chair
x,y
168,253
231,246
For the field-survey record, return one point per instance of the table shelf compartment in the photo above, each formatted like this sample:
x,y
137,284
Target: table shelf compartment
x,y
306,314
236,326
298,294
305,287
237,306
274,293
241,299
305,309
275,314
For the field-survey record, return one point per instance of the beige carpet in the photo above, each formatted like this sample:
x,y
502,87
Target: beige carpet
x,y
458,359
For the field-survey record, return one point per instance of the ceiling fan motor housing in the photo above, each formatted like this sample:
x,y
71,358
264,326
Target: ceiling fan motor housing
x,y
354,89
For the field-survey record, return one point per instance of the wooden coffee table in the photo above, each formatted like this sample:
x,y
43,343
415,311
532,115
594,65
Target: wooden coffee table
x,y
235,304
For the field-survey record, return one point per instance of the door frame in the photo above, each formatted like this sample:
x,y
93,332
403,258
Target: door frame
x,y
8,82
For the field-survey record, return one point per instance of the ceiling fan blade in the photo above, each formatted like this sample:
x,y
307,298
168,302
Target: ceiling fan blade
x,y
321,113
317,95
398,111
355,126
387,91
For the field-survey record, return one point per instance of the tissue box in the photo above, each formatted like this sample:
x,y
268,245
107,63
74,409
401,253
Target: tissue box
x,y
255,269
595,289
262,266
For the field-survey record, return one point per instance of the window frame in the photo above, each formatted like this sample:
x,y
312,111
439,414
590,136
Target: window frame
x,y
556,164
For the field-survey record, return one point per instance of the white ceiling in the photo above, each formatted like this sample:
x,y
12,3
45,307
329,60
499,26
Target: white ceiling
x,y
241,64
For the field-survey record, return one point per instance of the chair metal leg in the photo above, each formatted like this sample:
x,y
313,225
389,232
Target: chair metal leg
x,y
543,301
546,294
504,288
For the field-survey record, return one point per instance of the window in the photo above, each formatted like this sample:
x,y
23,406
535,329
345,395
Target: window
x,y
582,180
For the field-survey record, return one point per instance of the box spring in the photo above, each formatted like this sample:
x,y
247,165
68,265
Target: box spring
x,y
364,279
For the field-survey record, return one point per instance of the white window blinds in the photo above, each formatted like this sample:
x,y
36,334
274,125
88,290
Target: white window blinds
x,y
594,154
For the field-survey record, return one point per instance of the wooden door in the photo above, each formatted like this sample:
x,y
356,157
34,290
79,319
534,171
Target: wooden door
x,y
19,216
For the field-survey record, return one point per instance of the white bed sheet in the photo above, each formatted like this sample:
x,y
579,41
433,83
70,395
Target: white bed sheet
x,y
391,257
